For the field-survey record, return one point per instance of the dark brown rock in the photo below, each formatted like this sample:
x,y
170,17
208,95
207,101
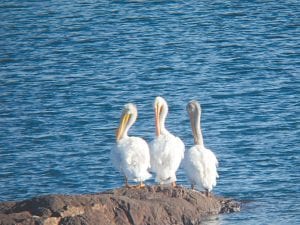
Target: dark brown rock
x,y
150,205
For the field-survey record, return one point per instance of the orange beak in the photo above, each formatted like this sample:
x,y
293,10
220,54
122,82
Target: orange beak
x,y
157,119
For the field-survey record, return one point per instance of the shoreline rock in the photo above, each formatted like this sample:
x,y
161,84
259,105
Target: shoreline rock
x,y
127,206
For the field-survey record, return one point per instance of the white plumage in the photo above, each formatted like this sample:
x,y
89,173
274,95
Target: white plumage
x,y
166,150
200,163
131,154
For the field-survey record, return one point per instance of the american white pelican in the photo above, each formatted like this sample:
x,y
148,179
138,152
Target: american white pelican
x,y
131,154
200,163
166,150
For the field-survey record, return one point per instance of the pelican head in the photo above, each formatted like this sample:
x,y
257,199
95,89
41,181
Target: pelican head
x,y
128,117
161,111
194,110
193,106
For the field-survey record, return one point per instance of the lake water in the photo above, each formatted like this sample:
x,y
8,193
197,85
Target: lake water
x,y
68,67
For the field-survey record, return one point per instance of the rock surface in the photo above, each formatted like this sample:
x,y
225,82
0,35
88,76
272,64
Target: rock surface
x,y
150,205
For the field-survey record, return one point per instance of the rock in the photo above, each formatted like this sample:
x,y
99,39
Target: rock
x,y
149,205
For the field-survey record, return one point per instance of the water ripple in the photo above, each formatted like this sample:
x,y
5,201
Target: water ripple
x,y
67,68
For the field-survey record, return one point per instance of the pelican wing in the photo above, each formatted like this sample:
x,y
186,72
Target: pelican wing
x,y
200,165
131,155
166,151
210,164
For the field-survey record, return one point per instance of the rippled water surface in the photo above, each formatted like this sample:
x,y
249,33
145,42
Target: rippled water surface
x,y
68,67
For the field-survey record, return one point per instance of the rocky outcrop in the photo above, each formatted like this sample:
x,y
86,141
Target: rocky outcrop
x,y
150,205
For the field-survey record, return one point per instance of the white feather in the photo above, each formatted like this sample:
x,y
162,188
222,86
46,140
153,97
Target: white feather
x,y
131,157
166,152
200,165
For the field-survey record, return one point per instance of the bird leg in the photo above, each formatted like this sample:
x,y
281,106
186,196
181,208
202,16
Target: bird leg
x,y
126,183
192,186
207,194
141,185
174,184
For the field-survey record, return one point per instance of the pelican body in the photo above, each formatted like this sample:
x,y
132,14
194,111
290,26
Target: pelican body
x,y
200,163
131,154
166,150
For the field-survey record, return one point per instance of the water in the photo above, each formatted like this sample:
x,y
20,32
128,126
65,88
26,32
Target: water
x,y
68,67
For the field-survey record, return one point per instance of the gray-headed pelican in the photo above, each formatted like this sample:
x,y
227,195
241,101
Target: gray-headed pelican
x,y
200,163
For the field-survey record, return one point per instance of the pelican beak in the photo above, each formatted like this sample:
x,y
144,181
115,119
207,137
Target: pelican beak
x,y
193,125
123,124
158,109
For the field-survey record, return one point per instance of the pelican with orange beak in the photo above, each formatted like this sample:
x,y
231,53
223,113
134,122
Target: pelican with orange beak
x,y
166,150
200,163
131,154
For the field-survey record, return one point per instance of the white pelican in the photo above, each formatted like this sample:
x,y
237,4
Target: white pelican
x,y
131,154
200,163
166,150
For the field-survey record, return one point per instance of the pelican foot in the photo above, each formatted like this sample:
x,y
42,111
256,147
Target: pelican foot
x,y
141,185
138,186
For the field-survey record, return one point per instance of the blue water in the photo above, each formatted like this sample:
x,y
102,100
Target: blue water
x,y
68,67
